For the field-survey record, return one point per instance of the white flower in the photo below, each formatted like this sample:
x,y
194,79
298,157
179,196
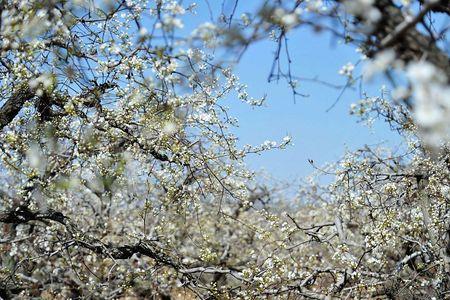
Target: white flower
x,y
45,79
171,22
428,115
347,69
363,8
36,159
175,8
143,32
169,128
400,93
245,19
206,32
315,6
379,64
432,102
424,72
289,20
286,141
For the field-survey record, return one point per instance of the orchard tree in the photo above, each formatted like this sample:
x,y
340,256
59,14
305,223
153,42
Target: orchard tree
x,y
121,177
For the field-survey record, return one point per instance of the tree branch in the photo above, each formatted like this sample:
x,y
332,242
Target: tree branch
x,y
13,105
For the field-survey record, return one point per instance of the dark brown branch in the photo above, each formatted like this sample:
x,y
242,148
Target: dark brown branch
x,y
393,31
406,25
13,105
442,6
23,214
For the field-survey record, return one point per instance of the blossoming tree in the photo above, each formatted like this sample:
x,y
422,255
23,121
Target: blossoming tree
x,y
121,178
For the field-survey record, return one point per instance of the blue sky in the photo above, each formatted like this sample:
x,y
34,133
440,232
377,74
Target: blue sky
x,y
317,134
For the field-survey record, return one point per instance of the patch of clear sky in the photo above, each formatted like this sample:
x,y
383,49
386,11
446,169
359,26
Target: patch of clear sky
x,y
317,134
